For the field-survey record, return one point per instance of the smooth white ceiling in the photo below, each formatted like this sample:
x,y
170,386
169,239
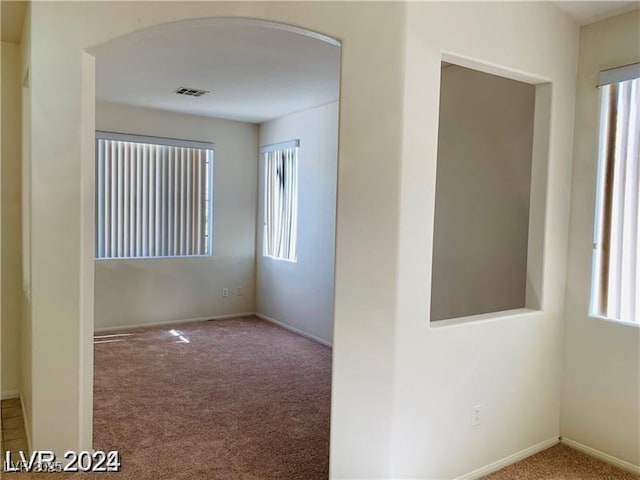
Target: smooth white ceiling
x,y
254,73
587,12
12,20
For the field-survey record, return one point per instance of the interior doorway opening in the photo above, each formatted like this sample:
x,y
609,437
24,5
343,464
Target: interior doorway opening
x,y
216,169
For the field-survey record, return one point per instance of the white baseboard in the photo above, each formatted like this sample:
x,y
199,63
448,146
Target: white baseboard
x,y
25,419
9,394
100,330
293,329
605,457
171,322
511,459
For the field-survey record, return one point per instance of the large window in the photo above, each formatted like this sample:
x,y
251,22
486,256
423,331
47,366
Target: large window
x,y
153,197
616,279
280,200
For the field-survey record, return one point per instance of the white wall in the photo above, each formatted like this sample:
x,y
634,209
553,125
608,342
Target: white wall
x,y
483,182
601,382
396,411
11,223
26,387
510,364
144,291
301,294
368,174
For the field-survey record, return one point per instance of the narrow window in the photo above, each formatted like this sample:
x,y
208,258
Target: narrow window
x,y
616,244
153,197
280,200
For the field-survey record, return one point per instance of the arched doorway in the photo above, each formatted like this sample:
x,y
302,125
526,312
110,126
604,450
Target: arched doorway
x,y
58,371
192,119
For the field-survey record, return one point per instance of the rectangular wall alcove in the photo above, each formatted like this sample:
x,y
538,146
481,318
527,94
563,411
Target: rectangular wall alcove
x,y
490,193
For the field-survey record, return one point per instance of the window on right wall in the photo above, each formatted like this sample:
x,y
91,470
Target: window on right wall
x,y
280,233
616,243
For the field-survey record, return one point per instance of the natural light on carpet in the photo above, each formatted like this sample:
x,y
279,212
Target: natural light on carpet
x,y
179,334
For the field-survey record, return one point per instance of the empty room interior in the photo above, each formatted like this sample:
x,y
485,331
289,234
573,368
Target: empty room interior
x,y
216,203
309,240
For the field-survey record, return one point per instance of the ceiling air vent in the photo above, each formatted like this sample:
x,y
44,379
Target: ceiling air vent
x,y
190,92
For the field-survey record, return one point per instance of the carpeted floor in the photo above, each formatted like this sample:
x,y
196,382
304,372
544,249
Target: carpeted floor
x,y
238,399
561,463
226,399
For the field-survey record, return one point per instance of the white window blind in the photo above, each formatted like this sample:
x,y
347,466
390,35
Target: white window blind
x,y
153,197
616,279
280,200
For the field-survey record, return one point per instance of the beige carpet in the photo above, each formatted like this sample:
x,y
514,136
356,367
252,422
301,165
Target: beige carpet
x,y
226,399
561,463
238,399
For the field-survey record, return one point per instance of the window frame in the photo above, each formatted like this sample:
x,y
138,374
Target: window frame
x,y
265,149
606,78
170,142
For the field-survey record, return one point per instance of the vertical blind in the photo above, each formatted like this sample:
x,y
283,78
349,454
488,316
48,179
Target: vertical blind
x,y
617,233
281,200
153,197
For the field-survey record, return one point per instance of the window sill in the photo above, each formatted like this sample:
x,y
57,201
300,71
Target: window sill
x,y
613,320
277,259
485,317
165,257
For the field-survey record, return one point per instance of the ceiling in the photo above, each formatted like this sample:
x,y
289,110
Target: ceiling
x,y
253,73
12,20
586,12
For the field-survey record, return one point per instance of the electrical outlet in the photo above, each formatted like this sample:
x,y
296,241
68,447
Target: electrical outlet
x,y
239,291
225,292
475,415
